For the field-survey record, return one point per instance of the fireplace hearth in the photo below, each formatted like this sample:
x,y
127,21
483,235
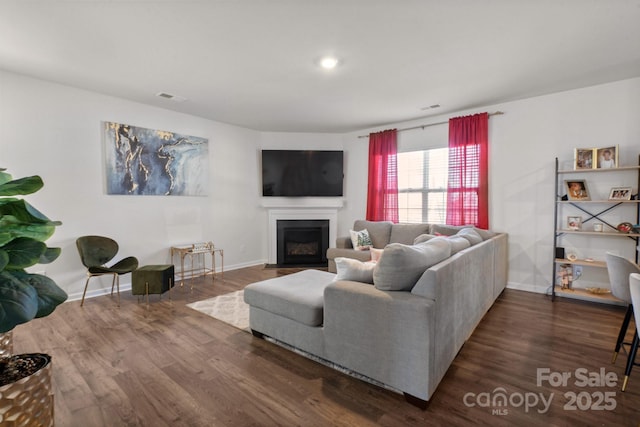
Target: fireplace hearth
x,y
302,242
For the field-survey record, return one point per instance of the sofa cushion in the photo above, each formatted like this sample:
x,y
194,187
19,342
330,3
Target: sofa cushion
x,y
360,239
471,235
458,243
447,230
379,231
423,238
401,266
352,269
485,234
406,233
450,230
298,296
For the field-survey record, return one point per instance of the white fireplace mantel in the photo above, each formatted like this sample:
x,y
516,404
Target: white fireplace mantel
x,y
292,209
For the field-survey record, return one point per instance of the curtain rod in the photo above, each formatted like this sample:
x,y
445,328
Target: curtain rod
x,y
497,113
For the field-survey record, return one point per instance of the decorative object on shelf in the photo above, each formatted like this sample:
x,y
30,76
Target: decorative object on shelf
x,y
577,189
565,275
606,157
583,158
598,291
572,257
636,228
624,227
598,227
574,222
620,193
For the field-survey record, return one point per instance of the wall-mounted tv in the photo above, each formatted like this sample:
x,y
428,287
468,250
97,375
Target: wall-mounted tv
x,y
302,173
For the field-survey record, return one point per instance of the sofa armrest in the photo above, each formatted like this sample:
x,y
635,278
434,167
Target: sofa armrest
x,y
344,243
386,336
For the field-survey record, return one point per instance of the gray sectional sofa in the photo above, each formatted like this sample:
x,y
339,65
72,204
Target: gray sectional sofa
x,y
404,329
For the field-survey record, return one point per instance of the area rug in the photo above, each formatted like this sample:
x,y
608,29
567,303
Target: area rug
x,y
229,308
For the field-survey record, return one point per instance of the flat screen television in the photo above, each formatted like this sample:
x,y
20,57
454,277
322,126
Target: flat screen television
x,y
302,173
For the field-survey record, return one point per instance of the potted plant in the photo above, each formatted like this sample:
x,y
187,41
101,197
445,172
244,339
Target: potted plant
x,y
23,297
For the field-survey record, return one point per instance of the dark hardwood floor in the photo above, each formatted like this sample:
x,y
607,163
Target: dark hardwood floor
x,y
173,366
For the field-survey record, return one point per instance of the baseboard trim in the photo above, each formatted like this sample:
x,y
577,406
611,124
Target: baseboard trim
x,y
528,288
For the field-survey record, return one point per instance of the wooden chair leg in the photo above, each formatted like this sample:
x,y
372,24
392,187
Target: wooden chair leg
x,y
623,332
631,359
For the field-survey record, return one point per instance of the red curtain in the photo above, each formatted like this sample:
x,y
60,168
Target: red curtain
x,y
382,194
468,189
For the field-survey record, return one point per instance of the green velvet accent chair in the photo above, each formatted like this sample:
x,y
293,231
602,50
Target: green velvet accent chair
x,y
95,252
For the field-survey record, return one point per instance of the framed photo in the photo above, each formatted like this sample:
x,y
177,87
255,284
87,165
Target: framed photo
x,y
574,222
620,193
583,158
565,276
577,189
607,157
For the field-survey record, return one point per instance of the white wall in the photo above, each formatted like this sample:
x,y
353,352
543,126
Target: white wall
x,y
55,131
523,145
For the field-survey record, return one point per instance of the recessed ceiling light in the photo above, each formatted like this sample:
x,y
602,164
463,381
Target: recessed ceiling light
x,y
329,62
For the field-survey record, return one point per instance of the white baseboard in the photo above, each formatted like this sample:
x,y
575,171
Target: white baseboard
x,y
126,286
529,288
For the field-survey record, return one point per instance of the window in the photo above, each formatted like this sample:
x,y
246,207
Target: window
x,y
422,186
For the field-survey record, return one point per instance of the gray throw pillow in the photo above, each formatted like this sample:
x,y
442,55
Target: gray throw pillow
x,y
423,238
401,266
458,243
471,235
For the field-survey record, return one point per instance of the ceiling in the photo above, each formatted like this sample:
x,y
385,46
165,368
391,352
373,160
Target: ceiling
x,y
253,63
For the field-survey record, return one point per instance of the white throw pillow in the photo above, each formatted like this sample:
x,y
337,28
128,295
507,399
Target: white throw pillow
x,y
360,240
352,269
401,266
375,254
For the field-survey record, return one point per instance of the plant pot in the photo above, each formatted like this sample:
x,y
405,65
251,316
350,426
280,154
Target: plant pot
x,y
27,401
6,344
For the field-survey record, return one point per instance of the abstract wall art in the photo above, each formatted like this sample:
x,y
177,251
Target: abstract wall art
x,y
142,161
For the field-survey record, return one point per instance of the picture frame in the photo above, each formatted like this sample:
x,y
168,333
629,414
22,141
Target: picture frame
x,y
584,158
577,190
606,157
565,276
620,193
574,222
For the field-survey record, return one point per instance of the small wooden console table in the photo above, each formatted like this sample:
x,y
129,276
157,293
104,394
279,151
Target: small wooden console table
x,y
199,249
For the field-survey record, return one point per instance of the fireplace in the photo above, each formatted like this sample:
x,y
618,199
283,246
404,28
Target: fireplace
x,y
302,242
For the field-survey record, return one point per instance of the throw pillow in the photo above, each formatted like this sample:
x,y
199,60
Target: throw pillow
x,y
423,238
401,266
458,243
360,240
471,235
485,234
352,269
376,254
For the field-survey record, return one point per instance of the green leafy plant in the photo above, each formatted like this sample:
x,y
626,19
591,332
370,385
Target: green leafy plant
x,y
23,231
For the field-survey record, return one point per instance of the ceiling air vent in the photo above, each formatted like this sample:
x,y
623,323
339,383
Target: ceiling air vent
x,y
174,98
